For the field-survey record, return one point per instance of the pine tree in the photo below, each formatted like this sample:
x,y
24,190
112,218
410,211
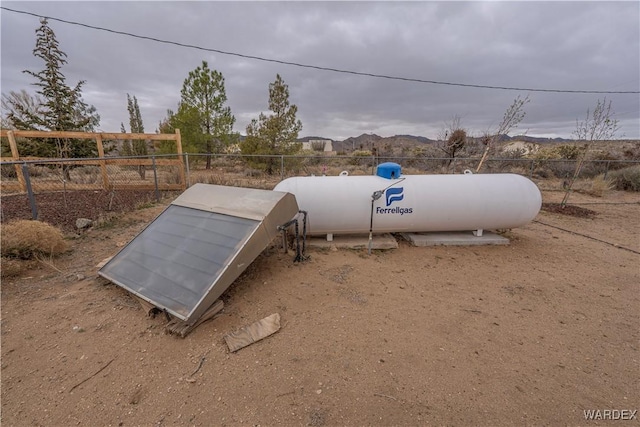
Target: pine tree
x,y
135,119
203,90
139,146
274,134
63,108
60,108
187,119
126,144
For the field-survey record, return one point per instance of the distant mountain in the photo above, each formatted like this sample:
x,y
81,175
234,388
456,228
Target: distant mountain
x,y
538,140
525,138
420,139
368,141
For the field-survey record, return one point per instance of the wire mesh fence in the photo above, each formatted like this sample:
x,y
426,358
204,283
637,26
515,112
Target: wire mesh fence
x,y
236,169
63,190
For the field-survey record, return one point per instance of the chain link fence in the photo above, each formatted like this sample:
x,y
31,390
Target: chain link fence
x,y
249,171
60,191
63,190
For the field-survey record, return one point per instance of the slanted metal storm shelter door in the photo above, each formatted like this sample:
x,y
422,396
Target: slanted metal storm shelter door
x,y
192,252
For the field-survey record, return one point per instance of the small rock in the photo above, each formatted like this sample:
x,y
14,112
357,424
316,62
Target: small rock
x,y
103,262
82,223
318,391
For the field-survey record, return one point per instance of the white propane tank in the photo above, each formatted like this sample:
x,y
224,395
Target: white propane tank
x,y
414,203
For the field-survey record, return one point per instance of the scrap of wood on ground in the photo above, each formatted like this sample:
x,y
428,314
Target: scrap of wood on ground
x,y
252,333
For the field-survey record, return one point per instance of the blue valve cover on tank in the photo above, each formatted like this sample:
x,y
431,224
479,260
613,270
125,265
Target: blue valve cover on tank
x,y
389,170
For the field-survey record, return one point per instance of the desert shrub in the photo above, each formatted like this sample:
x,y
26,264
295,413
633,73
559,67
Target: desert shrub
x,y
215,178
627,179
548,158
512,160
565,151
513,153
606,160
87,170
561,168
569,152
591,169
544,153
414,156
332,171
603,155
28,239
541,173
8,171
312,158
417,151
473,147
87,174
38,171
172,175
601,186
632,152
250,172
615,165
360,157
12,267
362,153
292,166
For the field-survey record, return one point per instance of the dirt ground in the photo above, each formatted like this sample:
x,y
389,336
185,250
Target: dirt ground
x,y
532,333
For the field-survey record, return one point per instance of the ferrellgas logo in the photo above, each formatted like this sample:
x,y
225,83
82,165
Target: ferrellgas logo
x,y
394,195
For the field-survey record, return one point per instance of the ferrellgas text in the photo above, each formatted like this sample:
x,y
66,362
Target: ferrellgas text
x,y
396,210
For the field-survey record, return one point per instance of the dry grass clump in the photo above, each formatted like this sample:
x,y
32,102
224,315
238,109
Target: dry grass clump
x,y
11,267
627,179
26,239
601,186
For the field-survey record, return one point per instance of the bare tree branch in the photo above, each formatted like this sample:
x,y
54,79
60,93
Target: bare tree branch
x,y
512,117
597,126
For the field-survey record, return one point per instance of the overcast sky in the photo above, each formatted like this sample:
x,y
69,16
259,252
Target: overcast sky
x,y
540,45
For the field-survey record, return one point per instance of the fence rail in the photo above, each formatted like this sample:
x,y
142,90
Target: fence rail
x,y
102,162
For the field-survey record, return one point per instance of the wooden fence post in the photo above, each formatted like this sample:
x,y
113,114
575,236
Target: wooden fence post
x,y
183,180
16,156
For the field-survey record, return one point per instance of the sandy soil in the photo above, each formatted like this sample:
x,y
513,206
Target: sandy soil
x,y
533,333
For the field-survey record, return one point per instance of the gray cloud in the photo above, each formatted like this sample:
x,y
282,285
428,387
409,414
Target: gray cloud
x,y
550,45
